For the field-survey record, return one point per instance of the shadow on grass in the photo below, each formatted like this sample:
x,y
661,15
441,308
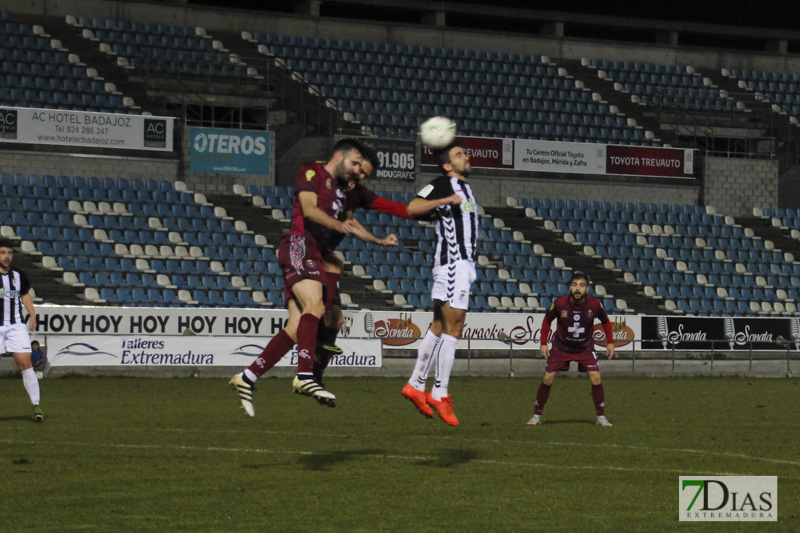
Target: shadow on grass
x,y
324,461
450,458
578,421
327,460
15,418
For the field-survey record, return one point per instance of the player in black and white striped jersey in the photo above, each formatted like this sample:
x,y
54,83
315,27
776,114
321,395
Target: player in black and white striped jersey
x,y
14,336
452,202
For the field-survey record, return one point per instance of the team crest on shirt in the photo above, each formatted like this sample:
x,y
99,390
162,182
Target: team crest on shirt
x,y
468,207
564,314
589,313
328,183
310,175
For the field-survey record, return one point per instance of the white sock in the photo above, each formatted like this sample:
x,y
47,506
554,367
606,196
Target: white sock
x,y
446,354
249,373
31,385
424,360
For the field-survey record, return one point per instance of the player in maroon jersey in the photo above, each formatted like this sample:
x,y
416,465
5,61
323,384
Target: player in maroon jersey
x,y
318,205
329,326
573,341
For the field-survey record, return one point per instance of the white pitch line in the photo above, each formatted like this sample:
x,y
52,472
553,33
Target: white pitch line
x,y
506,441
627,446
432,459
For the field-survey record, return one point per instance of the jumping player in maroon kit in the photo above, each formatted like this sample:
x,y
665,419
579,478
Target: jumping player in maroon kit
x,y
573,341
347,175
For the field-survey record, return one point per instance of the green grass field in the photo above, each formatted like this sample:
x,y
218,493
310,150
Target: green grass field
x,y
126,454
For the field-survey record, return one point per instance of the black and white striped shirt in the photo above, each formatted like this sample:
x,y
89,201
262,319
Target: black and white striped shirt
x,y
456,225
15,285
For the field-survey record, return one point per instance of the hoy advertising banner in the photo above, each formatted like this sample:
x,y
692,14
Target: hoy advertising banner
x,y
222,151
396,330
149,351
86,129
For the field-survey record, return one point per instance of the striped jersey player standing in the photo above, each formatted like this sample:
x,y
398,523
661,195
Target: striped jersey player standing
x,y
14,336
575,314
452,202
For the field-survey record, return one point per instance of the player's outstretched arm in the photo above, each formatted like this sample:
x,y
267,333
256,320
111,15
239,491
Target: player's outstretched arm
x,y
391,207
357,230
420,206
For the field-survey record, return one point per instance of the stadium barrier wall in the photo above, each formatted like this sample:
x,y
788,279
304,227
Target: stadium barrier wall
x,y
127,339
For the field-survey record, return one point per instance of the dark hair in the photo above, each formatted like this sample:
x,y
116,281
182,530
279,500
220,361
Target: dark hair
x,y
369,154
579,275
347,144
5,243
442,155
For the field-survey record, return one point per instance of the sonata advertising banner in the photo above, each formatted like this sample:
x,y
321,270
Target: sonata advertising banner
x,y
725,333
86,129
156,350
519,331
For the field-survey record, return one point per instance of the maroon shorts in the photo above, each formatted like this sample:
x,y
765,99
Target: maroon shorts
x,y
559,360
299,259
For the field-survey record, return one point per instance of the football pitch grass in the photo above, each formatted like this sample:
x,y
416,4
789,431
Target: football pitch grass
x,y
138,454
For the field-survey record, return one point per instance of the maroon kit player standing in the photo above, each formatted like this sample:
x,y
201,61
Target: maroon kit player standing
x,y
573,341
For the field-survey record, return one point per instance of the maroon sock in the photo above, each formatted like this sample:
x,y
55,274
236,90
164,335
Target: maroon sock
x,y
306,343
541,398
599,397
275,350
331,289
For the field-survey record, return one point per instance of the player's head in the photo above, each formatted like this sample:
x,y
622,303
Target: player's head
x,y
345,164
578,286
453,160
6,253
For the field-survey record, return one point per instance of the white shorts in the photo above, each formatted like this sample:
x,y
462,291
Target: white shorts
x,y
451,283
15,339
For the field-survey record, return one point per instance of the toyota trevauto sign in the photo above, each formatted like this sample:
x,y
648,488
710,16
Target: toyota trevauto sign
x,y
222,151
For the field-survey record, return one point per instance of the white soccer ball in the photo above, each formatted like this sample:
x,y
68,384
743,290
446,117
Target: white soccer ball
x,y
437,132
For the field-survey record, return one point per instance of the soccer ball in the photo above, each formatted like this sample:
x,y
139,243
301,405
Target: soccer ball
x,y
437,132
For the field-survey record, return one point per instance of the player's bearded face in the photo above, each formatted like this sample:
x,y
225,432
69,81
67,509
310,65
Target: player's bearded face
x,y
578,290
460,162
350,167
